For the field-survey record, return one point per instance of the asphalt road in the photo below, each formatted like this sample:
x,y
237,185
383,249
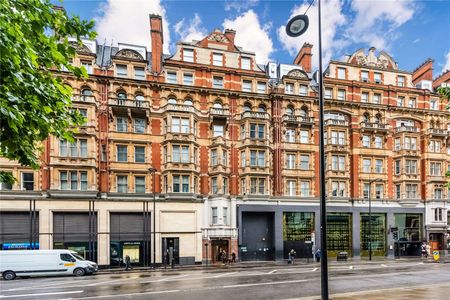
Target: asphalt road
x,y
276,282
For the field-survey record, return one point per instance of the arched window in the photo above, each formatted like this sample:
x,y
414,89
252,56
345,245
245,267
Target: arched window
x,y
217,104
188,102
378,119
139,97
172,101
366,117
86,92
261,108
432,124
304,112
121,95
290,110
247,107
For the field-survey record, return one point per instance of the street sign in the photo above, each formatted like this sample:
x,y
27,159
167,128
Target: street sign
x,y
436,255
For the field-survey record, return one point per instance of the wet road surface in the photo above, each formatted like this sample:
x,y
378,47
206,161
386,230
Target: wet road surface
x,y
277,282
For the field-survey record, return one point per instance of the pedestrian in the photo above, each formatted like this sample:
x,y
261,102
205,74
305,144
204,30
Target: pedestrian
x,y
224,257
292,253
289,258
423,250
128,263
233,257
318,254
428,248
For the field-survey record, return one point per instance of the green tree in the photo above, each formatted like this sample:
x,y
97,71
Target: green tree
x,y
445,94
34,103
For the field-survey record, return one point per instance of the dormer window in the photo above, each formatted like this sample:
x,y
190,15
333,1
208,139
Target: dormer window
x,y
377,77
341,73
121,71
289,88
246,63
217,59
188,55
139,73
261,87
303,90
364,76
87,65
171,77
401,80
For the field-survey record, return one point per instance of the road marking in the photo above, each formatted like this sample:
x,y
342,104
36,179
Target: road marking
x,y
41,294
111,281
351,267
273,271
223,274
131,294
315,269
166,279
383,265
262,283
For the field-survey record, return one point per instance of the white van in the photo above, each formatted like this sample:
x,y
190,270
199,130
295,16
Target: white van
x,y
43,263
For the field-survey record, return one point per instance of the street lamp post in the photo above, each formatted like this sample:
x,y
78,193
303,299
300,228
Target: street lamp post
x,y
370,216
296,27
153,171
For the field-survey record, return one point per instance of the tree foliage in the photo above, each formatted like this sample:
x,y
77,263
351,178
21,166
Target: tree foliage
x,y
445,93
33,102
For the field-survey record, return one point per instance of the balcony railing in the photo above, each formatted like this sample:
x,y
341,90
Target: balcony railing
x,y
371,125
180,108
128,103
406,129
298,119
336,122
438,131
83,98
255,115
219,111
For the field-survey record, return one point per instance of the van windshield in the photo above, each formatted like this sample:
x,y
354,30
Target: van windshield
x,y
77,256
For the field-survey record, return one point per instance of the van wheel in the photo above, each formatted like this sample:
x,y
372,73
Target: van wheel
x,y
9,275
79,272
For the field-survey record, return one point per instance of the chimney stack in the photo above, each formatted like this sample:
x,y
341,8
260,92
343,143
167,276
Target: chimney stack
x,y
156,33
230,34
303,58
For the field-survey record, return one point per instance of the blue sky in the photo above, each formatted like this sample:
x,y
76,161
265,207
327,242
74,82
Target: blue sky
x,y
411,31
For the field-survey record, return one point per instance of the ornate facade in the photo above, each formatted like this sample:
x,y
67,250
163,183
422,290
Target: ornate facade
x,y
235,150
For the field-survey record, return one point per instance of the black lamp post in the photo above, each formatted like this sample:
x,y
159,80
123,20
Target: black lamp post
x,y
153,171
296,27
370,216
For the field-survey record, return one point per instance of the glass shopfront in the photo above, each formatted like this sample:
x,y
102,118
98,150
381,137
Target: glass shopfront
x,y
377,234
298,229
339,233
410,234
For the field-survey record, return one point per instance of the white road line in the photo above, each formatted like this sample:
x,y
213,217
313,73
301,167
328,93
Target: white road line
x,y
273,271
383,265
262,283
315,269
111,281
128,295
351,267
41,294
166,279
222,275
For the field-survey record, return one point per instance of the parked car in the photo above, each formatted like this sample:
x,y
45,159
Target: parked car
x,y
43,263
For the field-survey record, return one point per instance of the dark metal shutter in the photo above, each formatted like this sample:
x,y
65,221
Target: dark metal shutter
x,y
127,227
72,227
15,227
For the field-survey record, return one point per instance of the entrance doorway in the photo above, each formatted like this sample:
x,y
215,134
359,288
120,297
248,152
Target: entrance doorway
x,y
217,247
171,249
436,241
257,236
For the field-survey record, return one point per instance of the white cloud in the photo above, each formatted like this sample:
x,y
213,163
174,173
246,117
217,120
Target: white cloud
x,y
251,36
191,31
240,5
376,21
128,22
332,20
447,64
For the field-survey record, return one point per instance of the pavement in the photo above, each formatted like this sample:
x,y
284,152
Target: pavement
x,y
406,279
